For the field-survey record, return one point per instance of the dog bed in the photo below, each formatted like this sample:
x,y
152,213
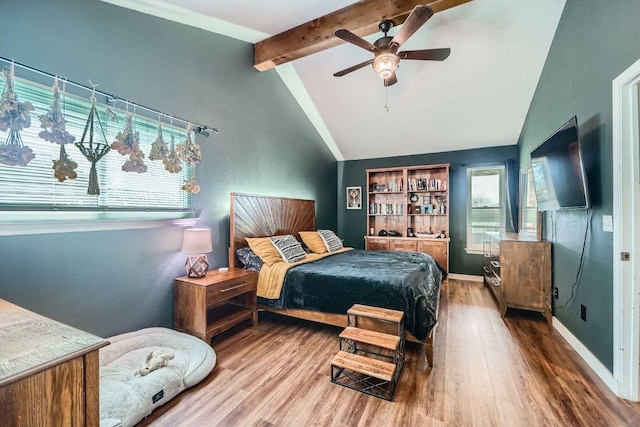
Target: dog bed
x,y
132,385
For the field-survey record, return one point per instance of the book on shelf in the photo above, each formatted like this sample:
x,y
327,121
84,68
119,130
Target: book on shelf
x,y
423,184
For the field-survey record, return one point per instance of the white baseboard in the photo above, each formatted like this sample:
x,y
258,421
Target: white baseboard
x,y
593,362
468,277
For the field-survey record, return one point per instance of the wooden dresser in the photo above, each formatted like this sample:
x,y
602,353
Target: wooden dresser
x,y
517,269
49,372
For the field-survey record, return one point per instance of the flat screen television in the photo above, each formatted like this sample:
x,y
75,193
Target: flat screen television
x,y
558,170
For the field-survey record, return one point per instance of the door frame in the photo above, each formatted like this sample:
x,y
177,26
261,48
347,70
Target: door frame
x,y
626,203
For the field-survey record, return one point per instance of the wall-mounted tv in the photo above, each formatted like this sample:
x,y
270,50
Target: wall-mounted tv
x,y
558,170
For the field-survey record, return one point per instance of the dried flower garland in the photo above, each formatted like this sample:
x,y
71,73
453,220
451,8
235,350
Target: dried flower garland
x,y
14,116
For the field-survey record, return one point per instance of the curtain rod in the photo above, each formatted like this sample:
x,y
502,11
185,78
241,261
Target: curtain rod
x,y
113,99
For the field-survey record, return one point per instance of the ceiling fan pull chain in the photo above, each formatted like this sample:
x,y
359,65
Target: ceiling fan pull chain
x,y
386,98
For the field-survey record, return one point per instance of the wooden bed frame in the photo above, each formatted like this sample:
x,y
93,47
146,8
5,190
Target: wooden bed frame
x,y
262,216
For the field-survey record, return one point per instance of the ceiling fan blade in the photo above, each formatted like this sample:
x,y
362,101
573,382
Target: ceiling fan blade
x,y
418,16
353,68
390,80
426,54
348,36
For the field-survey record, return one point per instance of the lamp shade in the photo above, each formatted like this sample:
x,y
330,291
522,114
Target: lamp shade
x,y
196,241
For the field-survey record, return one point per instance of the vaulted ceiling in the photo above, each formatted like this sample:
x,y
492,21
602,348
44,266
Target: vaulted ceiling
x,y
478,97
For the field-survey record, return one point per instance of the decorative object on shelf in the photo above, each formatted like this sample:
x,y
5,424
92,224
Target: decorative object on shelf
x,y
128,143
159,148
354,197
414,197
14,116
197,243
93,151
410,232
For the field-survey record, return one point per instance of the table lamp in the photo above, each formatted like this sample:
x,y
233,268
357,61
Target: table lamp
x,y
196,242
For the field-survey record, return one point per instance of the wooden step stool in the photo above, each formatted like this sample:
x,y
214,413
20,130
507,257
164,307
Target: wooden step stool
x,y
370,361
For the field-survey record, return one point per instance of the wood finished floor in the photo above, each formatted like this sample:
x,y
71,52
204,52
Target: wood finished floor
x,y
488,372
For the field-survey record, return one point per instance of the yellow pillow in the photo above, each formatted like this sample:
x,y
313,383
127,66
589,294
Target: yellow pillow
x,y
263,247
313,241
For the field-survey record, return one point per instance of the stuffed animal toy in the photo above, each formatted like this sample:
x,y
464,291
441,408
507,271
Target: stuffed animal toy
x,y
155,360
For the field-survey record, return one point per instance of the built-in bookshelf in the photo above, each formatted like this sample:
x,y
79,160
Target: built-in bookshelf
x,y
410,206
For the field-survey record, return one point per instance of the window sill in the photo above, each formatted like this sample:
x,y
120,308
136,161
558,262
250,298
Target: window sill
x,y
87,222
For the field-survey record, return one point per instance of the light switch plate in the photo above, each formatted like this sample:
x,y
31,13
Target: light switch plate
x,y
607,223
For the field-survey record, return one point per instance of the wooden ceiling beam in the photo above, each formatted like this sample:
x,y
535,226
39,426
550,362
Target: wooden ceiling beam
x,y
361,18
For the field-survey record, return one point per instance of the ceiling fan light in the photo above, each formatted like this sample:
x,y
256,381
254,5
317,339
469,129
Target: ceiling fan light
x,y
386,64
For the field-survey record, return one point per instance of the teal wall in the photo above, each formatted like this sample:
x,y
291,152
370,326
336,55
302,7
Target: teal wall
x,y
115,281
352,224
594,43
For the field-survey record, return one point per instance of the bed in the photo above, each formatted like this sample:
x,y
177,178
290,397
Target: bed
x,y
414,279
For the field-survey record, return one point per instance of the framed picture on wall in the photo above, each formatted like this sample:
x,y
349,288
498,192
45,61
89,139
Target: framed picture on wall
x,y
354,197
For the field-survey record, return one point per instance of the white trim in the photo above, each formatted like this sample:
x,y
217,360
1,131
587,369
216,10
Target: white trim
x,y
467,277
292,80
597,366
189,17
96,225
626,205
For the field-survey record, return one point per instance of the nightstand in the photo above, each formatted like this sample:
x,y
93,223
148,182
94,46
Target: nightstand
x,y
207,306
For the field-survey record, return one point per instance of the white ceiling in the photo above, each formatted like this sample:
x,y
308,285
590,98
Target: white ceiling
x,y
478,97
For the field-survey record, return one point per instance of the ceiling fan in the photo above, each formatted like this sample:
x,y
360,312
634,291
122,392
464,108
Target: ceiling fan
x,y
387,57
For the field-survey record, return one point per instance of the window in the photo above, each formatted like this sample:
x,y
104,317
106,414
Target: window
x,y
31,193
485,204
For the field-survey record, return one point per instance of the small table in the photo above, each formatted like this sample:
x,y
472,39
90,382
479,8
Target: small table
x,y
207,306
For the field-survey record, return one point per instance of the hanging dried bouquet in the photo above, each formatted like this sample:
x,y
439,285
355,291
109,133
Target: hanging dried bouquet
x,y
128,143
189,152
54,124
14,117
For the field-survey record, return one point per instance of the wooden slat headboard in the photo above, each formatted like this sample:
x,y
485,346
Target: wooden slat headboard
x,y
262,216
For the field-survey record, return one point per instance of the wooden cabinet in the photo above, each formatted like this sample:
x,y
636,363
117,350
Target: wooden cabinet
x,y
212,304
517,269
49,372
413,202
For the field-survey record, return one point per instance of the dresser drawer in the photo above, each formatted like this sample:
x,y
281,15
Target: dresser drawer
x,y
404,245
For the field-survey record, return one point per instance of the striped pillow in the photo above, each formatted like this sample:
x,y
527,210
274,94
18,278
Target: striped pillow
x,y
289,248
331,241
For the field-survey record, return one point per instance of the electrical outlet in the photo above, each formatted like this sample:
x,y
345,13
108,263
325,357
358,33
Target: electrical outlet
x,y
607,223
555,292
583,312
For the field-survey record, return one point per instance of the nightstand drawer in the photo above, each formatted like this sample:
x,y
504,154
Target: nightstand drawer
x,y
229,289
